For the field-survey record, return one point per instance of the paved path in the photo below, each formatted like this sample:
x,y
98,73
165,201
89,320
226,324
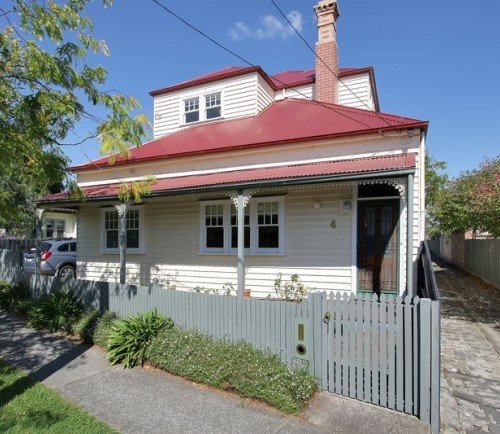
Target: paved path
x,y
470,348
140,401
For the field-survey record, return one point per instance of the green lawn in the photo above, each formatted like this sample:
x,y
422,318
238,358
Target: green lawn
x,y
27,406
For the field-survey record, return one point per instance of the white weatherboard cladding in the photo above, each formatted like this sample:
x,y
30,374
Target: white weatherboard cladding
x,y
319,254
356,91
265,94
300,92
239,98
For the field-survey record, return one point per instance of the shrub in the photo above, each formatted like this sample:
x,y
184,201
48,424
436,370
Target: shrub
x,y
11,295
294,290
129,339
239,367
86,325
22,307
58,311
103,328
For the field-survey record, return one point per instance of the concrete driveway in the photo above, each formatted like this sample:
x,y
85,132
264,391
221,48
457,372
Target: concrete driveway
x,y
470,352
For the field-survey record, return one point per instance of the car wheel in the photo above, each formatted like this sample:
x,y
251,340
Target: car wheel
x,y
68,271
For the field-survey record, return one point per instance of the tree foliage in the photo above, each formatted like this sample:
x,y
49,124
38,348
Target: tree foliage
x,y
46,82
471,201
435,181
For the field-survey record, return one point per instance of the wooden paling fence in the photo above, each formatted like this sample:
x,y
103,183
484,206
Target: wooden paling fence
x,y
384,351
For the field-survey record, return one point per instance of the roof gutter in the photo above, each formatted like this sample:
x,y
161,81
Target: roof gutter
x,y
282,182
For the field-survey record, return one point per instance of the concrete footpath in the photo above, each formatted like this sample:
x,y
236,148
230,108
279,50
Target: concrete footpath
x,y
141,400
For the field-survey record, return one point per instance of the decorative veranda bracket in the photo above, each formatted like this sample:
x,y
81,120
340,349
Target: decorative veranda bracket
x,y
247,195
398,183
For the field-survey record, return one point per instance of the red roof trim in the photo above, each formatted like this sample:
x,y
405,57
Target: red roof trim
x,y
368,165
215,76
237,71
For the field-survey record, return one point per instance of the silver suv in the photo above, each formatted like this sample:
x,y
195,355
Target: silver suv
x,y
57,258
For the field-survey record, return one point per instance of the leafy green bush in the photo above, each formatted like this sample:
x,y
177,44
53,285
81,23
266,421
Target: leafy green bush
x,y
129,339
22,307
58,311
239,367
86,325
11,295
103,328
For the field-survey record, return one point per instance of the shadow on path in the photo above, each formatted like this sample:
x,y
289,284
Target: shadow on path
x,y
17,349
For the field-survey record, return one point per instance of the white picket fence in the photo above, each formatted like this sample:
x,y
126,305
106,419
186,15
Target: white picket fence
x,y
382,351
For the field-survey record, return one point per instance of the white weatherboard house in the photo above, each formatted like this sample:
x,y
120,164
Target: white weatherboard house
x,y
326,186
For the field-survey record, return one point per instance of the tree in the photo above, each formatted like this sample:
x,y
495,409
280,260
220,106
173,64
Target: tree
x,y
435,182
472,201
45,82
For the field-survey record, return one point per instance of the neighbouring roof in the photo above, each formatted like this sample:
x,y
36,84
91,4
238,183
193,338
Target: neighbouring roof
x,y
278,81
283,174
286,121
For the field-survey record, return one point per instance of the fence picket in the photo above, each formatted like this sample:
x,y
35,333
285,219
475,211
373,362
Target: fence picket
x,y
359,349
338,345
408,359
399,355
391,354
352,346
383,350
367,350
375,348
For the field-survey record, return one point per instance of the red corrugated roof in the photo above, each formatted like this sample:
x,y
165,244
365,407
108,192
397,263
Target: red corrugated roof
x,y
285,121
287,79
278,81
351,166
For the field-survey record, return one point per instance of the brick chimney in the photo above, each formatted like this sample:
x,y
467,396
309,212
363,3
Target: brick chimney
x,y
327,86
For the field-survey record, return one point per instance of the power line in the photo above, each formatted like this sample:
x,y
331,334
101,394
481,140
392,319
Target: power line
x,y
322,61
187,23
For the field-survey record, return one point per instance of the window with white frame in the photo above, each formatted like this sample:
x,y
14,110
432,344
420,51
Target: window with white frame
x,y
54,228
234,227
264,226
111,230
213,105
268,225
214,226
191,110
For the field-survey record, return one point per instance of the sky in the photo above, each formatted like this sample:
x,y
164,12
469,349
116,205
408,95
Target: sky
x,y
434,60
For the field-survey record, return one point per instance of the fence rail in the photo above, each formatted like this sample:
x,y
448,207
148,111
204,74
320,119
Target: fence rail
x,y
379,350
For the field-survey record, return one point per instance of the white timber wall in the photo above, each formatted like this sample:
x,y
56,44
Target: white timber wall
x,y
355,91
321,255
239,96
265,95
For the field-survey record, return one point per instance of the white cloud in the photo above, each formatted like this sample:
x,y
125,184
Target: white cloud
x,y
270,27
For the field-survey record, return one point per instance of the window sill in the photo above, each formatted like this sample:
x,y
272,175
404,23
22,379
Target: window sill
x,y
204,121
235,254
129,252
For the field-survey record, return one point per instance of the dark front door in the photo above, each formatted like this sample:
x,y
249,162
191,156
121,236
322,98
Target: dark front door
x,y
378,242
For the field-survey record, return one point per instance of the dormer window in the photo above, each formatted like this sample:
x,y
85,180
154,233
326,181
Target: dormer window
x,y
192,110
213,105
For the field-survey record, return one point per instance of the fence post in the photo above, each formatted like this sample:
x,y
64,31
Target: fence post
x,y
424,308
435,366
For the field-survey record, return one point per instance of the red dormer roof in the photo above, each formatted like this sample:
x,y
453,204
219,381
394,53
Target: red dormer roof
x,y
285,121
282,80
